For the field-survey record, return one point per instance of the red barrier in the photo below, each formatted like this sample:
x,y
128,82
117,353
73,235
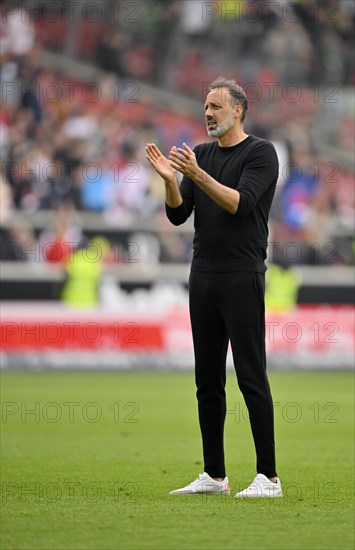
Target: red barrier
x,y
311,329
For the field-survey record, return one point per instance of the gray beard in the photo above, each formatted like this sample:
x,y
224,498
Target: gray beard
x,y
221,128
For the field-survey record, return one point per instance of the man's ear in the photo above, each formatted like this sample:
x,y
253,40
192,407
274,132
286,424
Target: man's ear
x,y
238,110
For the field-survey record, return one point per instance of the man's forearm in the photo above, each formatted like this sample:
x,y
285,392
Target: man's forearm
x,y
224,196
172,194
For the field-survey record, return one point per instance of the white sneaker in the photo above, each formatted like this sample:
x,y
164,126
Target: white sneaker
x,y
204,484
262,487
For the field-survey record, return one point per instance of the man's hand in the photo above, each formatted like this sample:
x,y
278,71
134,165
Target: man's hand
x,y
161,164
164,168
184,161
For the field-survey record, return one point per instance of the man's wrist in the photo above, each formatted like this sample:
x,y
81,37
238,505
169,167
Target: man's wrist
x,y
170,182
201,177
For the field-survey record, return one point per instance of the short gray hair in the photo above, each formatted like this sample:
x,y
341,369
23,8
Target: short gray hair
x,y
237,93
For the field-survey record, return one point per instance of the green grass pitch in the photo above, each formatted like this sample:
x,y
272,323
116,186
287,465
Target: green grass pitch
x,y
92,465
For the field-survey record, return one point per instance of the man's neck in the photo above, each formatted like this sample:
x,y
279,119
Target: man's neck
x,y
232,137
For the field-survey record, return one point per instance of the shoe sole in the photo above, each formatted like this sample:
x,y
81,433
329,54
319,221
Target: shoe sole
x,y
207,493
258,496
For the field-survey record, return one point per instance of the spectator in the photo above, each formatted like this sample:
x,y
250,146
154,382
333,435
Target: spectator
x,y
18,32
112,51
17,243
82,286
58,243
6,198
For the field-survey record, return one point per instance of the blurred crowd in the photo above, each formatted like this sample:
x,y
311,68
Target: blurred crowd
x,y
300,41
64,151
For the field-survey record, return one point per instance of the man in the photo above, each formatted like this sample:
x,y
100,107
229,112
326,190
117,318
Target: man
x,y
230,184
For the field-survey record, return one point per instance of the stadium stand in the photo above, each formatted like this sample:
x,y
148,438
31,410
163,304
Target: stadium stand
x,y
83,91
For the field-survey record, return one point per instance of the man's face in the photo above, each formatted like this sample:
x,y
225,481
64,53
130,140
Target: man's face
x,y
219,113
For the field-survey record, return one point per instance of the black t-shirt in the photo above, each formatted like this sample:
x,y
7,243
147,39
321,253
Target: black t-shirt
x,y
225,241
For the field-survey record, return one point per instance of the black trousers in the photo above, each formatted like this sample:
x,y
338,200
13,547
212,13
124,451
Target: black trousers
x,y
225,307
